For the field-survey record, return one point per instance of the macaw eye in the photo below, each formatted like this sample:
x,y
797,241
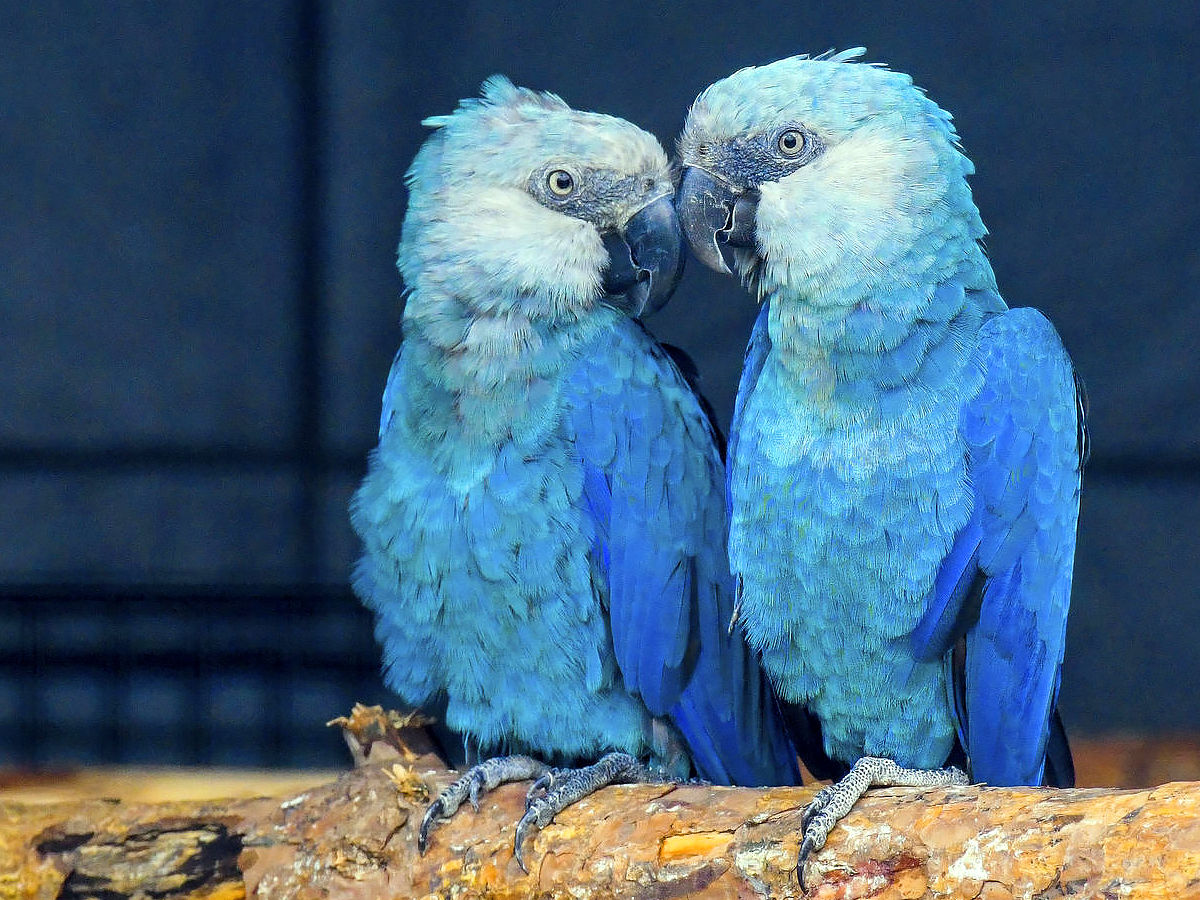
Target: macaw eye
x,y
791,143
561,183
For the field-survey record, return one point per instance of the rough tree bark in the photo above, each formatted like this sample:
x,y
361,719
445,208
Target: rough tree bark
x,y
355,837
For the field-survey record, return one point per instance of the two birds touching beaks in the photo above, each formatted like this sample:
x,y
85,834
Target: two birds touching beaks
x,y
565,569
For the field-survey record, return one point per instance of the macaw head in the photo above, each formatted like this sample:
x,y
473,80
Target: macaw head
x,y
520,204
823,176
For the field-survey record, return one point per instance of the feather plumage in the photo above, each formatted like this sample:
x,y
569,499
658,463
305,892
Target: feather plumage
x,y
904,458
543,526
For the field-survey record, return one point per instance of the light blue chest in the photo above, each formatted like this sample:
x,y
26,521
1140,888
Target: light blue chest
x,y
478,565
839,525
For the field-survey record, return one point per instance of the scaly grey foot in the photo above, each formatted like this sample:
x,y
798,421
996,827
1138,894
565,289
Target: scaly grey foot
x,y
475,781
562,787
833,802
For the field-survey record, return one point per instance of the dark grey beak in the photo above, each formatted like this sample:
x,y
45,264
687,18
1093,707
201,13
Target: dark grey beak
x,y
715,215
645,260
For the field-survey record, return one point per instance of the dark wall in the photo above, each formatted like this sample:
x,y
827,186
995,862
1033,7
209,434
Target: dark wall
x,y
199,207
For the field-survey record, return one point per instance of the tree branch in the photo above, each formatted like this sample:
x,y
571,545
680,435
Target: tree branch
x,y
356,837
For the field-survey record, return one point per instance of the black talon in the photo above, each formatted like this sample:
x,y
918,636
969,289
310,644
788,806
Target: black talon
x,y
565,787
806,849
542,784
833,803
473,784
810,813
519,840
434,811
539,813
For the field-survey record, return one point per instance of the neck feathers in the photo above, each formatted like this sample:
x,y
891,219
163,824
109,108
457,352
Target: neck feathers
x,y
885,355
480,377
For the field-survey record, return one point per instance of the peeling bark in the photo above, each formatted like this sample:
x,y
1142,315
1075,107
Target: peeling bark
x,y
355,837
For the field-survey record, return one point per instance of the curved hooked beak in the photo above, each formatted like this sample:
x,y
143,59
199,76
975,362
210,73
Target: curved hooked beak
x,y
645,259
715,215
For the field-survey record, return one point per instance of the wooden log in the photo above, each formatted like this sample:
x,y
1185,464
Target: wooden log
x,y
355,837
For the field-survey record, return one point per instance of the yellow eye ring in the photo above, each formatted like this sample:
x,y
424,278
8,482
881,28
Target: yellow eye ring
x,y
791,143
561,183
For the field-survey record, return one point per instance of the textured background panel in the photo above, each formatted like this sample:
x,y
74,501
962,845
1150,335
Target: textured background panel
x,y
199,210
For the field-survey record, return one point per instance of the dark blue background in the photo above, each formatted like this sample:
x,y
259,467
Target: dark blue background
x,y
199,207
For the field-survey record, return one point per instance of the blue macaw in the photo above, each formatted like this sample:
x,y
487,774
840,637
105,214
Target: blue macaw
x,y
543,520
905,456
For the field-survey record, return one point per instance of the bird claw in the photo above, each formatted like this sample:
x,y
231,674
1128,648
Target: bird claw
x,y
563,787
816,830
544,784
815,823
472,785
806,849
552,791
818,803
539,812
833,803
518,841
434,812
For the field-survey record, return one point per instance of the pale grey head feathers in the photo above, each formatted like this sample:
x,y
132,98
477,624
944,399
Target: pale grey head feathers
x,y
512,196
823,176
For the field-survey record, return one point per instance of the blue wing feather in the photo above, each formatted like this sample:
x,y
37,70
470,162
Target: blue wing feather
x,y
757,349
654,495
1024,459
942,623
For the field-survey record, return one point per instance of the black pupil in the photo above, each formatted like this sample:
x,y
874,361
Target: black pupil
x,y
562,181
789,141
